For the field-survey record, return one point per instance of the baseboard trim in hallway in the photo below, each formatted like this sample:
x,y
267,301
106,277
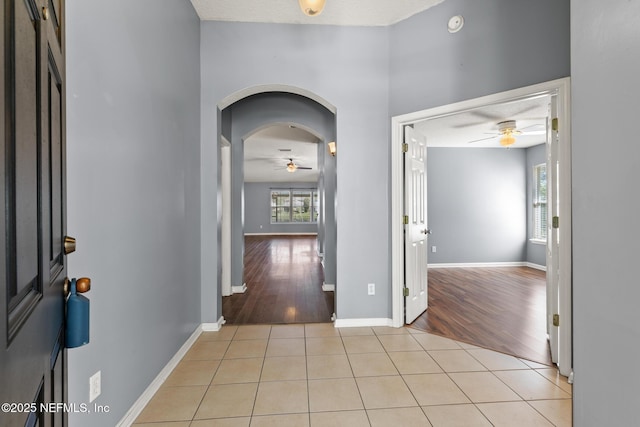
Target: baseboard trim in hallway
x,y
358,323
135,410
316,374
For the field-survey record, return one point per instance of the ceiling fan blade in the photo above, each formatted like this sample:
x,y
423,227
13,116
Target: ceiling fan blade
x,y
466,125
487,116
525,110
533,129
303,167
482,139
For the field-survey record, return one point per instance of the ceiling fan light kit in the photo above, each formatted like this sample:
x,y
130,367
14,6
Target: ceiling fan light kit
x,y
507,140
292,167
507,129
312,7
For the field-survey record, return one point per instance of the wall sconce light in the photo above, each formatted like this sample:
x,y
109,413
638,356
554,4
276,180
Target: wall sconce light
x,y
311,7
332,148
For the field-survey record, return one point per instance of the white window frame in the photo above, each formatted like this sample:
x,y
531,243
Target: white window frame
x,y
539,208
292,208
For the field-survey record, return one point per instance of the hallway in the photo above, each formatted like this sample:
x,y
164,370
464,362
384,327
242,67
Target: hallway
x,y
284,283
317,375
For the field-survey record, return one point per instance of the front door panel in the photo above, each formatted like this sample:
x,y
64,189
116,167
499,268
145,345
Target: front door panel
x,y
32,261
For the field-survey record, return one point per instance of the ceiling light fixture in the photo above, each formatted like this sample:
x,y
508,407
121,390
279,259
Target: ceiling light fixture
x,y
507,139
508,129
291,167
312,7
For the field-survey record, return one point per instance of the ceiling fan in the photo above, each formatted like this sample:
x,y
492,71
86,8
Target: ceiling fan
x,y
507,131
292,167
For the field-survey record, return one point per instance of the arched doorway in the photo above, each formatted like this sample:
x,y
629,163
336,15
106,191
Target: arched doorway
x,y
241,116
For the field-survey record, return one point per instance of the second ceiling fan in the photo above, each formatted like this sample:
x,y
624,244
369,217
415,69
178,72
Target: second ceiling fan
x,y
507,131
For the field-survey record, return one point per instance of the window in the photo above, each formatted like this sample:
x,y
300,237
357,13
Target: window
x,y
298,205
540,202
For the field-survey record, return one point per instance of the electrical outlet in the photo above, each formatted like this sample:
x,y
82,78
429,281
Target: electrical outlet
x,y
433,249
94,386
371,288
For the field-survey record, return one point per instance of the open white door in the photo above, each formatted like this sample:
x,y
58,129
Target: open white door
x,y
559,265
553,247
416,229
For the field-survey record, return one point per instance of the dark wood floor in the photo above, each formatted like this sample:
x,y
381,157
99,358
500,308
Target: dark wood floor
x,y
284,283
502,309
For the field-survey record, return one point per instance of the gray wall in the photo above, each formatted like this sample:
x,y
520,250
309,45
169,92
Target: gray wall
x,y
257,214
605,65
133,191
536,253
349,68
415,64
477,204
504,44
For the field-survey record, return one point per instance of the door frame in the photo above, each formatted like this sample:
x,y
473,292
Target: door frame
x,y
559,87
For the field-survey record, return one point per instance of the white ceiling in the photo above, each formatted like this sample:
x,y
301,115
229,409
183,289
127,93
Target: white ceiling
x,y
336,12
265,160
458,130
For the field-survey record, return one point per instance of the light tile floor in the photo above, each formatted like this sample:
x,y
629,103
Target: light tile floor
x,y
317,375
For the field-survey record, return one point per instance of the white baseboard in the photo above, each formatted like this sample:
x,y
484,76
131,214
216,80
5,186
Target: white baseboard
x,y
351,323
135,410
328,287
239,289
280,234
485,264
536,266
213,327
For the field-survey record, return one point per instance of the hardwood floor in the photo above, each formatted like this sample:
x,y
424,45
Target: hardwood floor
x,y
502,309
284,283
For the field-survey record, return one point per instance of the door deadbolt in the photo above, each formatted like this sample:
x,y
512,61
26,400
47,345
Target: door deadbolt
x,y
69,245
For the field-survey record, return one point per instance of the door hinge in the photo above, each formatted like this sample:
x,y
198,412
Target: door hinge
x,y
405,292
556,320
405,219
555,222
554,124
405,148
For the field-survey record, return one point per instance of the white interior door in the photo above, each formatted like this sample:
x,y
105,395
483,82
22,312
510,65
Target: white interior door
x,y
559,265
416,226
553,249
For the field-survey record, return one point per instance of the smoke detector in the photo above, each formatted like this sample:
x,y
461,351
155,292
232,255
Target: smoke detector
x,y
455,24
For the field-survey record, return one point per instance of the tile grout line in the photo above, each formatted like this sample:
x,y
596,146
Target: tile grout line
x,y
264,358
402,376
364,408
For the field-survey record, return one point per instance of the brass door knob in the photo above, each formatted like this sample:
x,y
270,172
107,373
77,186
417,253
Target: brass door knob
x,y
69,245
83,285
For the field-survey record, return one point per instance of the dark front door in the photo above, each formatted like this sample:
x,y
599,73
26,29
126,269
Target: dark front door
x,y
32,177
